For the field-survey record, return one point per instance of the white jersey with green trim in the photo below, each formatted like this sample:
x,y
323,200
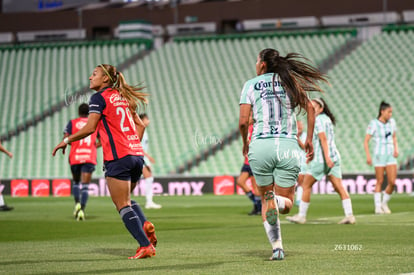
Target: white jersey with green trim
x,y
323,124
272,113
382,134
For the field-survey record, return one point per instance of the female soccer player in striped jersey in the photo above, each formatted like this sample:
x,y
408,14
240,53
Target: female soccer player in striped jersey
x,y
113,111
281,85
384,131
326,161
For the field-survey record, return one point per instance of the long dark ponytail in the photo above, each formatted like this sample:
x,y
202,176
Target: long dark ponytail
x,y
321,102
384,105
297,77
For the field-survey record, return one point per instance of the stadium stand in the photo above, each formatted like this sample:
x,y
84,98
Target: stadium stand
x,y
194,107
47,95
380,69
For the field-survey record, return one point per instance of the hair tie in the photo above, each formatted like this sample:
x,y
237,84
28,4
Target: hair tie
x,y
117,78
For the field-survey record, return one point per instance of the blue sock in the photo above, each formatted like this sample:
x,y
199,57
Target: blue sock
x,y
258,203
250,195
134,225
76,191
137,209
84,195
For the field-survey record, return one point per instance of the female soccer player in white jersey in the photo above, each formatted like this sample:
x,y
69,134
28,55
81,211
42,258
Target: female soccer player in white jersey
x,y
326,161
281,85
383,129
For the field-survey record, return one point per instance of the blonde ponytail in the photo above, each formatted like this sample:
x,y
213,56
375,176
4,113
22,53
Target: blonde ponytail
x,y
134,96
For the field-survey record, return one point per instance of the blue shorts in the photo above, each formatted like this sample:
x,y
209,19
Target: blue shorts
x,y
77,169
246,168
128,168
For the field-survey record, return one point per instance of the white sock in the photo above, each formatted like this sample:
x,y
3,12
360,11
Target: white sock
x,y
386,198
280,203
274,234
299,192
377,199
347,206
1,200
148,189
303,208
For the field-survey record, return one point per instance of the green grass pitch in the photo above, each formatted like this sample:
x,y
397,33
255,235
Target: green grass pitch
x,y
205,235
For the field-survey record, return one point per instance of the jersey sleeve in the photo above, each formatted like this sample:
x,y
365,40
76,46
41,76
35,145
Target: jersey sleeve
x,y
97,104
68,128
371,128
245,97
319,126
393,125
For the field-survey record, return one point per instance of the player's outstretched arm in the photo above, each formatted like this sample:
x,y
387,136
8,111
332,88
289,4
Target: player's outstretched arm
x,y
88,129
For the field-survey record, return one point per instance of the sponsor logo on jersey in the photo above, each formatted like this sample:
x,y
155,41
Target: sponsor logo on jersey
x,y
80,124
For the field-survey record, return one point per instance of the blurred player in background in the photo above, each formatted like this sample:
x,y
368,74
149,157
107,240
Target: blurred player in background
x,y
326,161
3,205
82,160
384,131
146,170
281,85
245,174
303,165
113,111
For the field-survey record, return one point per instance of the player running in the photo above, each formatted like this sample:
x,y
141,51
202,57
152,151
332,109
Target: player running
x,y
113,111
146,170
3,205
245,174
326,161
384,131
82,160
281,85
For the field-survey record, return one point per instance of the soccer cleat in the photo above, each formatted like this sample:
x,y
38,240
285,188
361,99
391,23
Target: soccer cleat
x,y
152,205
278,254
378,210
272,212
348,220
385,208
6,208
297,219
77,208
80,216
149,230
144,252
